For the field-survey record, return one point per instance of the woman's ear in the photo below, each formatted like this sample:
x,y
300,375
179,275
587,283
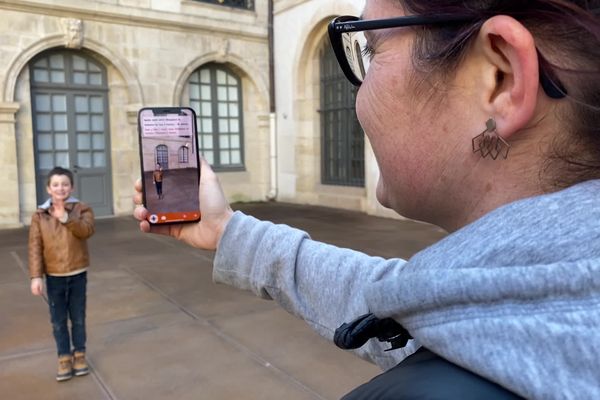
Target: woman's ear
x,y
512,73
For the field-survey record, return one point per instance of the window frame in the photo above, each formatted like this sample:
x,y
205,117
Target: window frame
x,y
214,104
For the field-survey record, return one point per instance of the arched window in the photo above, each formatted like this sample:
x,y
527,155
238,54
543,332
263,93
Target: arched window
x,y
215,93
162,156
184,155
342,138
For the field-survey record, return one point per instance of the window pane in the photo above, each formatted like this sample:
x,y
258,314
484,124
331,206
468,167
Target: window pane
x,y
93,67
235,157
205,92
194,77
195,105
82,123
231,80
98,141
61,141
209,156
96,104
97,123
59,103
59,122
43,63
223,125
207,125
205,76
42,102
84,159
233,93
57,61
223,109
99,160
194,91
62,159
221,77
40,75
57,76
224,141
43,123
81,104
44,141
235,141
234,126
207,142
79,63
95,78
46,161
206,109
80,78
83,141
221,93
224,154
233,110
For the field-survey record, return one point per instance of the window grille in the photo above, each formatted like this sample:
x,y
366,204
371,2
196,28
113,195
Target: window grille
x,y
342,138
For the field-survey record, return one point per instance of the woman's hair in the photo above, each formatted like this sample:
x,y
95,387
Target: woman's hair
x,y
567,36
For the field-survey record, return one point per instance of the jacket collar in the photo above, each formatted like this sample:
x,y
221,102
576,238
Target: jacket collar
x,y
46,205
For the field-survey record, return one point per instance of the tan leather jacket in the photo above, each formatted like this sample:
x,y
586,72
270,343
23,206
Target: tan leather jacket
x,y
60,248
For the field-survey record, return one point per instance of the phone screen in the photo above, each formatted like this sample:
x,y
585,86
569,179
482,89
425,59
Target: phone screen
x,y
170,164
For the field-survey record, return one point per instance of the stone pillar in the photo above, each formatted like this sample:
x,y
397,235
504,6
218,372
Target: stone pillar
x,y
9,181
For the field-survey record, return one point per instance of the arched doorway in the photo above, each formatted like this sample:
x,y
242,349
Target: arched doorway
x,y
69,96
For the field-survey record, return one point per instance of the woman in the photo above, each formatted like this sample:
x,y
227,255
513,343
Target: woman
x,y
484,117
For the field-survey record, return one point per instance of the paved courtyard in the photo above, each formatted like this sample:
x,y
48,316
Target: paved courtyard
x,y
158,328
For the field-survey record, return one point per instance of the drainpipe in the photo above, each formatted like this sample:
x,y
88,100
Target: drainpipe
x,y
272,195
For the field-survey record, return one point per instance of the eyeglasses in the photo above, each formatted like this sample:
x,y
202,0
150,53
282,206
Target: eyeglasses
x,y
349,44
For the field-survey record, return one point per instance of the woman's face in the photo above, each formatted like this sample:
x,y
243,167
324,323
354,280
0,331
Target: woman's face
x,y
410,130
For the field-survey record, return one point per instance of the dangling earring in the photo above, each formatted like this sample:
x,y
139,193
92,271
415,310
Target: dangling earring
x,y
489,143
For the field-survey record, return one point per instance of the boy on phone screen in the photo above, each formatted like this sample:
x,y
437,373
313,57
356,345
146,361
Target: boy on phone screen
x,y
157,178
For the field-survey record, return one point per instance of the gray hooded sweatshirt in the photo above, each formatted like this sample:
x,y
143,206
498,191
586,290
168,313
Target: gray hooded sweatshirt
x,y
513,297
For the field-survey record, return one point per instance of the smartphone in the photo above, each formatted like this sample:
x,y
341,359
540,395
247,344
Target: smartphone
x,y
170,164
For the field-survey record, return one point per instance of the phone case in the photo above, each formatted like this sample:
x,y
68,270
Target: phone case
x,y
170,164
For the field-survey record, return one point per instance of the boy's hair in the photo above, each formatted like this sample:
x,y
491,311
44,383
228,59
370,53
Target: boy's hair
x,y
59,171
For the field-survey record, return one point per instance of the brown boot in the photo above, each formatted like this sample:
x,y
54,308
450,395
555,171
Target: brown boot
x,y
65,368
80,367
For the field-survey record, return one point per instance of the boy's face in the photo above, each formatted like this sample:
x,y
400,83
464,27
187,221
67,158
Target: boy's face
x,y
59,188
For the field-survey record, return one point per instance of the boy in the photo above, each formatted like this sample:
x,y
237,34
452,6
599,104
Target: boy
x,y
157,178
58,249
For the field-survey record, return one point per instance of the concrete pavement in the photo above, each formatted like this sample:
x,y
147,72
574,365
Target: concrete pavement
x,y
158,328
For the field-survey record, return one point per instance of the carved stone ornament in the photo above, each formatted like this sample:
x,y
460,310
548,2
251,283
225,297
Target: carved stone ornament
x,y
73,29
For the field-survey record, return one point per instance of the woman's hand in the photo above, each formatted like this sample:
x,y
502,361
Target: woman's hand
x,y
37,286
214,210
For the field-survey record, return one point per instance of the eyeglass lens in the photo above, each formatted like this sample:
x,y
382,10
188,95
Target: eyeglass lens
x,y
355,49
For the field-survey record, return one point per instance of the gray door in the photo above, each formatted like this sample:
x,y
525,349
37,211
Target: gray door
x,y
69,99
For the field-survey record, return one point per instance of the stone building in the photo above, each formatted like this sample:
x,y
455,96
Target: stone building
x,y
323,156
74,75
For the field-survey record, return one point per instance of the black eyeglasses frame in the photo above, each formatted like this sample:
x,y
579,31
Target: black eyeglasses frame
x,y
349,23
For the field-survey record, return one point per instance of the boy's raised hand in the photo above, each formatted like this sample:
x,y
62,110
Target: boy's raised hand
x,y
214,209
37,286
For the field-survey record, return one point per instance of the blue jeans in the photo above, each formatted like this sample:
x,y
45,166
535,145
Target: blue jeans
x,y
66,298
